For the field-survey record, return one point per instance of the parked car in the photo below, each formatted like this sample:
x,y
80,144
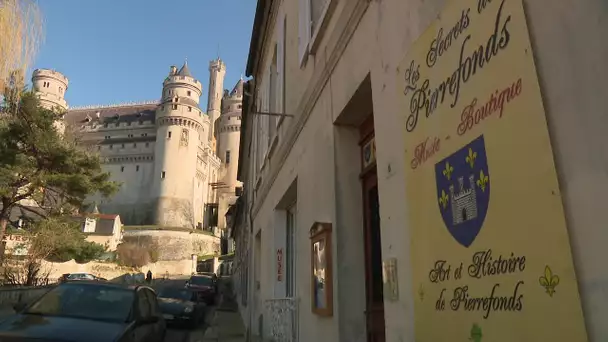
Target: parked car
x,y
181,306
80,276
205,286
88,311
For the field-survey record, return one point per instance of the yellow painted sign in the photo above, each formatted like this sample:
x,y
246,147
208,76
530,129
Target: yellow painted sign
x,y
490,250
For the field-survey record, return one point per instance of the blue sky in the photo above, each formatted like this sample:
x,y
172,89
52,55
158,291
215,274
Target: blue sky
x,y
116,51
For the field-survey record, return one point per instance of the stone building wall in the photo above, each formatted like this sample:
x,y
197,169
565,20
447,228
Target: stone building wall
x,y
175,245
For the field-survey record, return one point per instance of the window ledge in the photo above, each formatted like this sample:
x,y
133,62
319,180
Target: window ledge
x,y
318,33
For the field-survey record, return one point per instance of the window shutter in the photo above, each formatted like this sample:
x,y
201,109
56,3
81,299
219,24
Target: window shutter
x,y
280,91
304,29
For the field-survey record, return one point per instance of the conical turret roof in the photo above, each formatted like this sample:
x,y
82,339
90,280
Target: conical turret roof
x,y
184,71
238,89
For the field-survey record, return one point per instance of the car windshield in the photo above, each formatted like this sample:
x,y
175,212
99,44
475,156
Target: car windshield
x,y
94,302
176,293
205,281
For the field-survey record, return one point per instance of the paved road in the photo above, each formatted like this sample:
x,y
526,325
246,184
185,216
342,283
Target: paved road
x,y
175,334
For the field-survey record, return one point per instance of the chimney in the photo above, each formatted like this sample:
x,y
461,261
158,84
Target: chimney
x,y
173,70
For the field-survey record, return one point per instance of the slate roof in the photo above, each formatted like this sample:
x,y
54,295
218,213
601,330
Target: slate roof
x,y
122,113
238,89
184,71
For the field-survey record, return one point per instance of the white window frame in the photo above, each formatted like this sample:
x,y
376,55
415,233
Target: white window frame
x,y
308,40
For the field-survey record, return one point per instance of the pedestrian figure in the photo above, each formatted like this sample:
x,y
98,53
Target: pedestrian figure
x,y
149,277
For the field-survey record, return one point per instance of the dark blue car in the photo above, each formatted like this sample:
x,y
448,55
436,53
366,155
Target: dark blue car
x,y
88,311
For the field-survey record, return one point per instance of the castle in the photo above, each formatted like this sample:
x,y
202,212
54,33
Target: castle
x,y
464,203
176,163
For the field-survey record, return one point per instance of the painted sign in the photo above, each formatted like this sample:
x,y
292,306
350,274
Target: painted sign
x,y
490,251
280,264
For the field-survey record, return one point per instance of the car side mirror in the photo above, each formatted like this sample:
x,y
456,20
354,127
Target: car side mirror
x,y
20,306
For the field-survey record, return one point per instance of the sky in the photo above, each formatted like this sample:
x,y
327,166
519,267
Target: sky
x,y
117,51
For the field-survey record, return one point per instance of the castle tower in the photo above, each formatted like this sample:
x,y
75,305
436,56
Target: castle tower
x,y
181,127
228,134
50,87
217,71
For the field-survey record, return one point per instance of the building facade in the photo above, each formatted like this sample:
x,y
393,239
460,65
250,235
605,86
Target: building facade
x,y
162,152
336,153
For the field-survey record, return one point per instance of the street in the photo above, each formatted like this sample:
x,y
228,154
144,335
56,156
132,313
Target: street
x,y
183,334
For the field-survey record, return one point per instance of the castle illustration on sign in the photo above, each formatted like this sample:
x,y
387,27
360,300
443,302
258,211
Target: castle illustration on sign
x,y
464,202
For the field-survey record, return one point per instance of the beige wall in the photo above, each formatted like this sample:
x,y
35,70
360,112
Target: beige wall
x,y
111,271
570,54
175,245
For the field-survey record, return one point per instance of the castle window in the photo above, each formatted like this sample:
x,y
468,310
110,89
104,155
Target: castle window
x,y
122,146
169,135
174,107
147,144
134,144
107,137
162,175
238,118
144,134
227,157
136,168
122,169
105,125
111,146
130,135
239,106
189,109
129,123
189,93
60,90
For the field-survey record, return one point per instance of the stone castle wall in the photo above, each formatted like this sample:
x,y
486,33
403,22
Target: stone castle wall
x,y
174,245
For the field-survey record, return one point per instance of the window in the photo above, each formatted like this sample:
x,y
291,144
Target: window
x,y
227,160
136,168
290,263
107,137
130,135
312,13
105,125
239,106
122,169
111,146
122,145
134,144
162,175
169,135
129,123
147,144
189,93
174,107
144,134
189,109
60,90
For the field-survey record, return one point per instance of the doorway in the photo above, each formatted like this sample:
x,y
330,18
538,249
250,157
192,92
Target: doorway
x,y
374,295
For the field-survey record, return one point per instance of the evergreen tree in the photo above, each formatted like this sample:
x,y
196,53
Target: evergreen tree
x,y
38,163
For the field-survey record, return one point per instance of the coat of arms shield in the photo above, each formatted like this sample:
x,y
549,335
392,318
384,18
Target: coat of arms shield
x,y
463,190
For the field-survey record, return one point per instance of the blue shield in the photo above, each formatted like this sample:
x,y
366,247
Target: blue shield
x,y
463,191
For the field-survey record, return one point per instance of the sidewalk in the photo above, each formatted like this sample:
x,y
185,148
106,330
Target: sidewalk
x,y
226,324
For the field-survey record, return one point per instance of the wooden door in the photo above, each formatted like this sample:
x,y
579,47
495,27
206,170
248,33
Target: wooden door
x,y
372,236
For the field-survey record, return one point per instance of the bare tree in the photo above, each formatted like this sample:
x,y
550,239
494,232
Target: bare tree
x,y
21,29
47,237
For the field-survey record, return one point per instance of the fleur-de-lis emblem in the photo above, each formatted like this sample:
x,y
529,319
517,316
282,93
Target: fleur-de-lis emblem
x,y
447,172
443,200
549,281
471,157
482,181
